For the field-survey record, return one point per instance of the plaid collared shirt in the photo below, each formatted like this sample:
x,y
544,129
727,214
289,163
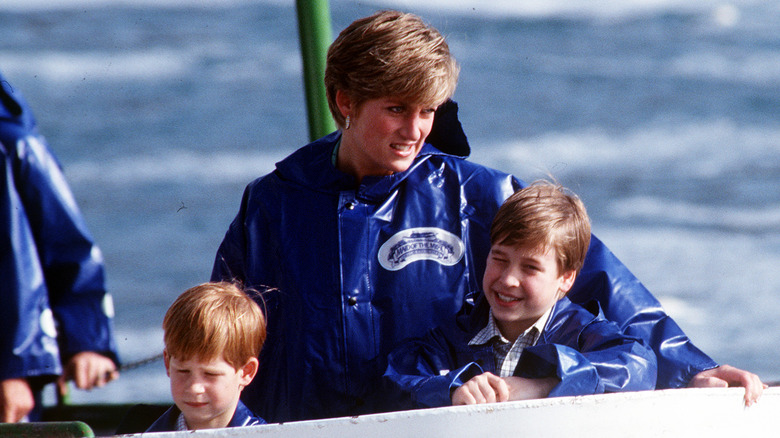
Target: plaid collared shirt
x,y
507,353
181,423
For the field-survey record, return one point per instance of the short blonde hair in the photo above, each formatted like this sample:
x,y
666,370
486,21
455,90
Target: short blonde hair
x,y
390,53
214,320
548,216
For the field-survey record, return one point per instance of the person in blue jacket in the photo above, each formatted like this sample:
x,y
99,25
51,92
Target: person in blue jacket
x,y
529,340
56,317
213,334
377,232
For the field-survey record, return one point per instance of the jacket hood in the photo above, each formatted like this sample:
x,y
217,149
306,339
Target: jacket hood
x,y
447,133
16,121
10,108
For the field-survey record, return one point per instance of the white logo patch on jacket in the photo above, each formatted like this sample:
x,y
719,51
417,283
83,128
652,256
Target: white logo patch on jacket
x,y
425,243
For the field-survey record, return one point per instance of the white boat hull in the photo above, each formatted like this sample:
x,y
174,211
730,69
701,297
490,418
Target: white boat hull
x,y
668,413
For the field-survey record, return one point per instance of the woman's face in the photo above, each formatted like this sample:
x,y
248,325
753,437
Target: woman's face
x,y
384,136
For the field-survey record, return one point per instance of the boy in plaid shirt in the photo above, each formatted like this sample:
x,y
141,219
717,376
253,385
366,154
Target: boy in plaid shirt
x,y
523,338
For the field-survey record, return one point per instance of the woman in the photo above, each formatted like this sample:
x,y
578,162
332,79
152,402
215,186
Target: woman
x,y
371,235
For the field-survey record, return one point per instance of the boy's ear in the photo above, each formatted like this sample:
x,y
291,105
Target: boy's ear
x,y
248,371
567,281
167,361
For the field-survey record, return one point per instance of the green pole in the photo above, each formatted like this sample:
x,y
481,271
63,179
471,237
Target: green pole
x,y
315,37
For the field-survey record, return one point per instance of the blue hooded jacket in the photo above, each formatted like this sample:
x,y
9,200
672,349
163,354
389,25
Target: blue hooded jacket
x,y
351,270
587,353
52,275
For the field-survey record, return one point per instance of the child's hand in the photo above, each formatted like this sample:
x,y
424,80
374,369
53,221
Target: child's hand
x,y
725,376
484,388
521,388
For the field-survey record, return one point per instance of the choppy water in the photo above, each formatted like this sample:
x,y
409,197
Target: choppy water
x,y
663,118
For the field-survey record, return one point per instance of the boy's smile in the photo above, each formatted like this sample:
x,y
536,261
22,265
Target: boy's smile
x,y
521,284
506,298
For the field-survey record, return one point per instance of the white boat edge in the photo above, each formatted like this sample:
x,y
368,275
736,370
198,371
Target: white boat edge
x,y
689,412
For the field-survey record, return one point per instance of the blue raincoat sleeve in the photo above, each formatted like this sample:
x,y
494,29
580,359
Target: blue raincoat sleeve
x,y
423,372
54,299
626,301
588,354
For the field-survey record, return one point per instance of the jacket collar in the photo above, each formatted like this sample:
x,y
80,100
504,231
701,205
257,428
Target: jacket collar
x,y
473,316
311,165
241,417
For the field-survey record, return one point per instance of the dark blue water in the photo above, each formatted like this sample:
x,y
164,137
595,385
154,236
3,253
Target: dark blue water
x,y
664,119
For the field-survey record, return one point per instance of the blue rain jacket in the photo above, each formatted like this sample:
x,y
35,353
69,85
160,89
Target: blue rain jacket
x,y
589,355
356,269
51,273
242,417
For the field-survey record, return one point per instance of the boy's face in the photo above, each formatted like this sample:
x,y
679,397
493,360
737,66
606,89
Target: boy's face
x,y
520,284
207,392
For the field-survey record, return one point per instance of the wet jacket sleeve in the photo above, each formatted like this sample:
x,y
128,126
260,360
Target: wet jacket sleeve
x,y
626,301
599,359
423,372
55,302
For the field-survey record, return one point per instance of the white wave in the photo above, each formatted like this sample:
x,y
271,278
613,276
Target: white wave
x,y
723,13
766,217
156,63
175,166
152,64
696,149
683,310
753,66
761,67
33,5
706,279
